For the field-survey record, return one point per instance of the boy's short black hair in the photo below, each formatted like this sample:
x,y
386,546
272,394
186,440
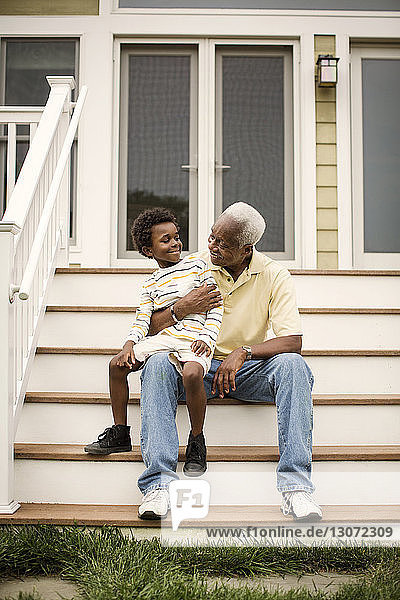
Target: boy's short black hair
x,y
141,227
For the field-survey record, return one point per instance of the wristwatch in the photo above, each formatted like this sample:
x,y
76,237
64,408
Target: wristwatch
x,y
247,349
173,315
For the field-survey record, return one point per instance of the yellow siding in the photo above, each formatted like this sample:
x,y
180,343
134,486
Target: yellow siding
x,y
49,7
325,117
326,197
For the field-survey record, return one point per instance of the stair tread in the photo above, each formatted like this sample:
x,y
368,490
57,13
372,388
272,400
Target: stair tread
x,y
318,399
126,515
214,453
114,351
147,270
308,310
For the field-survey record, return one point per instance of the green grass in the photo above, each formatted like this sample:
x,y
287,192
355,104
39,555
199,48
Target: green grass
x,y
107,565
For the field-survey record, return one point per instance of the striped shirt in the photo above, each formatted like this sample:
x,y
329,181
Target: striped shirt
x,y
166,286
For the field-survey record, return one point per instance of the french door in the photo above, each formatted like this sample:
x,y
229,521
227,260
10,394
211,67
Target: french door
x,y
376,157
201,129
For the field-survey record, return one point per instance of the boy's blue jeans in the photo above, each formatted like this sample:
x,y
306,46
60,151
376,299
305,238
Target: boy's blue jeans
x,y
285,379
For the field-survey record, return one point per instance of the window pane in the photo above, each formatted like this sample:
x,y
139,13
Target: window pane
x,y
381,149
27,65
158,138
253,140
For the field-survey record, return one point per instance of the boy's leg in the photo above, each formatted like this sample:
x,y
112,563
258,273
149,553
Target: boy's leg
x,y
117,437
119,389
196,400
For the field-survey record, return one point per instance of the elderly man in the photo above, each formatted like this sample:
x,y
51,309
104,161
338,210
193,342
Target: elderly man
x,y
257,293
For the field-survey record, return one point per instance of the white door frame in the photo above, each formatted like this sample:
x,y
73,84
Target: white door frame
x,y
303,129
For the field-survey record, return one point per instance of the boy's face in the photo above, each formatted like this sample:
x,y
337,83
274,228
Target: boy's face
x,y
166,246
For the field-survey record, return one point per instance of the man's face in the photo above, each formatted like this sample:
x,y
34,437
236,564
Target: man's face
x,y
223,244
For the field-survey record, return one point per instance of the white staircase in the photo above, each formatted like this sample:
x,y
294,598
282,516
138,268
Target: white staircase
x,y
351,325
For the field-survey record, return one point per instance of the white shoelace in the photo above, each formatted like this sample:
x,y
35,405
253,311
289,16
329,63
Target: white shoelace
x,y
303,498
155,495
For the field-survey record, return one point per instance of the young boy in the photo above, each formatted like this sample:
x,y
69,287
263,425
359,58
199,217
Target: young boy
x,y
190,342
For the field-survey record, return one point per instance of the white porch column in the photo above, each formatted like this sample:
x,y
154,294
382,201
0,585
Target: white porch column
x,y
8,504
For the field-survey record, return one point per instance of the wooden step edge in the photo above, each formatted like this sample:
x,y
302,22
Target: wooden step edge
x,y
318,399
148,270
223,516
75,452
114,351
87,308
104,270
303,311
347,272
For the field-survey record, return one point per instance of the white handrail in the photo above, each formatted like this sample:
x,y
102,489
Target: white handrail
x,y
37,245
20,114
33,242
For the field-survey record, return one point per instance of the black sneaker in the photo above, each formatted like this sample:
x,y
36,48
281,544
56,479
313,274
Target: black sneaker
x,y
196,454
113,439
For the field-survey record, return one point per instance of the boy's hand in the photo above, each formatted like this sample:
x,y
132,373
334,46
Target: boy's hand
x,y
126,358
200,348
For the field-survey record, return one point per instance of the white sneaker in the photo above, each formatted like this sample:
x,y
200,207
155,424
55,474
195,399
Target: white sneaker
x,y
155,504
301,506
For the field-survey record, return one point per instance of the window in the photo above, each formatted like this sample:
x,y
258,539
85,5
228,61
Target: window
x,y
25,65
254,133
158,139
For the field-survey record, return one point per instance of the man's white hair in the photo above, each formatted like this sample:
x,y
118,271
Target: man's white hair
x,y
251,223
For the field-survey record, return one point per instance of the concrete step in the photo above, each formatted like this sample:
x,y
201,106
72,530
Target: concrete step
x,y
335,372
379,289
323,328
126,516
244,476
43,422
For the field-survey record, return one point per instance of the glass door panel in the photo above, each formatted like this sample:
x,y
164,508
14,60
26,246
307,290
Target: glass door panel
x,y
381,154
158,166
254,160
375,77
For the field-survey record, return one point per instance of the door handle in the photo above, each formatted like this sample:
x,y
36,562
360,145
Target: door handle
x,y
189,167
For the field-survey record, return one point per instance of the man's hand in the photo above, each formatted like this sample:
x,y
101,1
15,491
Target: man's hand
x,y
198,300
126,358
224,378
200,348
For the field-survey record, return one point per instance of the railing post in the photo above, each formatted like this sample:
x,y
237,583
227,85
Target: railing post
x,y
64,191
8,504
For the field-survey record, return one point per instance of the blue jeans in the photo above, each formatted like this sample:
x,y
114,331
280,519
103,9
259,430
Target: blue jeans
x,y
285,379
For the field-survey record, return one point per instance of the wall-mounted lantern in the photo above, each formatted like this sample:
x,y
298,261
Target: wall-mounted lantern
x,y
327,70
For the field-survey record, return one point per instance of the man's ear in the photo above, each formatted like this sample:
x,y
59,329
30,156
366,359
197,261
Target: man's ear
x,y
248,249
147,251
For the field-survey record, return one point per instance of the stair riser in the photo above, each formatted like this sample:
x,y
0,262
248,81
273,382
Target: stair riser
x,y
243,425
368,332
333,291
231,483
333,375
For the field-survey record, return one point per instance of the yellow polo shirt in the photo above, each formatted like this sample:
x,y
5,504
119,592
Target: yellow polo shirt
x,y
263,296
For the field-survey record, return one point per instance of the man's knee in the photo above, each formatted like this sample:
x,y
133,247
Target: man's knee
x,y
158,364
294,364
